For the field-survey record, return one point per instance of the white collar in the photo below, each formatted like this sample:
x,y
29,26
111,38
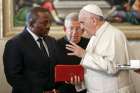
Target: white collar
x,y
33,34
101,29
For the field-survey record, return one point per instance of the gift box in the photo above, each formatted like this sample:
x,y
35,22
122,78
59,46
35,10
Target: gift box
x,y
65,72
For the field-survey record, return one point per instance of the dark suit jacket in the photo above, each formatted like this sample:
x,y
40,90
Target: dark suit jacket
x,y
26,70
69,60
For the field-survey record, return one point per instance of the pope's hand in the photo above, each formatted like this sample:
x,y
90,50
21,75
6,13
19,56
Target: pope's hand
x,y
75,49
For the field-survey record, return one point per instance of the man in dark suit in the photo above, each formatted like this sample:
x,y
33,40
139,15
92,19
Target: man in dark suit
x,y
29,57
73,34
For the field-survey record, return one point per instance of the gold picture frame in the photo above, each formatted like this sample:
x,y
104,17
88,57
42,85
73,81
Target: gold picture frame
x,y
8,25
132,31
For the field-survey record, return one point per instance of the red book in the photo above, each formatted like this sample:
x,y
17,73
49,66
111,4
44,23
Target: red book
x,y
64,72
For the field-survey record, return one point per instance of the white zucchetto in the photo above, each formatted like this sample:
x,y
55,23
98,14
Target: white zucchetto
x,y
92,8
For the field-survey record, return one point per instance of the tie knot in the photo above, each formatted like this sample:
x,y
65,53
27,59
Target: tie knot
x,y
39,39
42,47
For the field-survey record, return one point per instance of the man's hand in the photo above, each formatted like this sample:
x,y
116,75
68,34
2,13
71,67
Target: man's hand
x,y
76,50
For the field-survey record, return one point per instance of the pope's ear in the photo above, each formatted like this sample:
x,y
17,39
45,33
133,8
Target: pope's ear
x,y
93,20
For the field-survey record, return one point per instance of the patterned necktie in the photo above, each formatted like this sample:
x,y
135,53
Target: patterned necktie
x,y
42,47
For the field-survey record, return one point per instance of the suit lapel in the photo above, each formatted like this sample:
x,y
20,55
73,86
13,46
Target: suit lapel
x,y
30,41
49,45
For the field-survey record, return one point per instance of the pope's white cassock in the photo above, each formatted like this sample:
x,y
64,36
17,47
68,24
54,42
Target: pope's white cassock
x,y
105,50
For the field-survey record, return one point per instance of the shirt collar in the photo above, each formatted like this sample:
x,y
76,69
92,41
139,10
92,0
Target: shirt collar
x,y
101,29
33,35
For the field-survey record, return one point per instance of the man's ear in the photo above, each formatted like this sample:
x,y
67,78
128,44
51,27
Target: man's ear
x,y
31,23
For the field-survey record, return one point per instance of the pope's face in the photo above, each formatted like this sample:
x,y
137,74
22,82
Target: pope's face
x,y
87,23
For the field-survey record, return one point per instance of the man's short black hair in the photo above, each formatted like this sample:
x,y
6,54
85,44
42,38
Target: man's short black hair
x,y
33,14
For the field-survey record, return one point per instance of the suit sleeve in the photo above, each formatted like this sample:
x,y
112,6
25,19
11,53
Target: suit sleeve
x,y
13,65
57,54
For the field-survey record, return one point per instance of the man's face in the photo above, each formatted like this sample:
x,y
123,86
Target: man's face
x,y
42,25
87,23
74,32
